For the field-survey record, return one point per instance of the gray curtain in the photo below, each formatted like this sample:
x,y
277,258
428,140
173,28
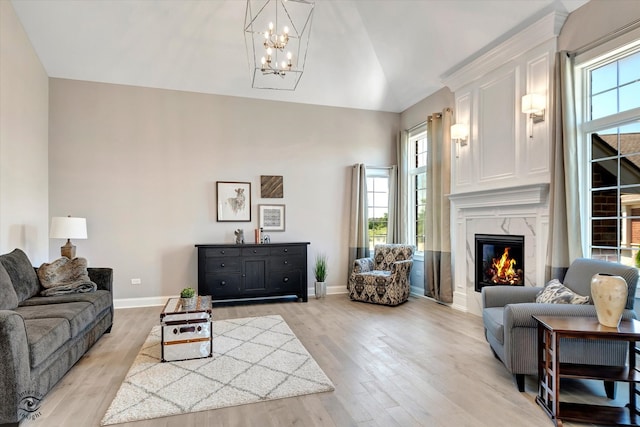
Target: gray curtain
x,y
358,227
437,256
565,232
400,224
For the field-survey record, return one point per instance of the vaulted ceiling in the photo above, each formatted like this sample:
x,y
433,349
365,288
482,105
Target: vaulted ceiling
x,y
371,54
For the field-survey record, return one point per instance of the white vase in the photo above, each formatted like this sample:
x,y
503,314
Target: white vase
x,y
609,295
188,304
321,289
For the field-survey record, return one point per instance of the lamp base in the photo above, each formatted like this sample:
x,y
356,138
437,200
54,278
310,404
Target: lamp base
x,y
68,250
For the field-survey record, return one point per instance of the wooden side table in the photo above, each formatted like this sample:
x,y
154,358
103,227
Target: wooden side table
x,y
550,370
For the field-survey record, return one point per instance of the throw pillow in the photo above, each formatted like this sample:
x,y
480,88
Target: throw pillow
x,y
8,297
65,276
23,276
555,292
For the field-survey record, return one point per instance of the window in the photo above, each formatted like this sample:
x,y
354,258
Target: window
x,y
610,138
417,186
378,201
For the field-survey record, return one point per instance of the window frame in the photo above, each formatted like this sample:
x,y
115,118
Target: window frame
x,y
584,64
377,172
415,134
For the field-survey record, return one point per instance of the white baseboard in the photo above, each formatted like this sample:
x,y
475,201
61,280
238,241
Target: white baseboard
x,y
140,302
159,301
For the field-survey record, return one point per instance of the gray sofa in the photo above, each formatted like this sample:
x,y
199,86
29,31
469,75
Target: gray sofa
x,y
41,338
512,332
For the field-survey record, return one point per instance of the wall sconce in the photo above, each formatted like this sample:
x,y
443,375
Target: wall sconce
x,y
460,132
534,105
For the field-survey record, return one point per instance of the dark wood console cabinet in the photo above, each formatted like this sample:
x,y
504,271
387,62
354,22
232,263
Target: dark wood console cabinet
x,y
252,271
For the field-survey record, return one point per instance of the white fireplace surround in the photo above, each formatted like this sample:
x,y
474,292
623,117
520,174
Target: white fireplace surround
x,y
520,210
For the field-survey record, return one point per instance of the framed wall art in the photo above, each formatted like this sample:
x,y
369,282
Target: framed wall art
x,y
234,201
271,187
271,217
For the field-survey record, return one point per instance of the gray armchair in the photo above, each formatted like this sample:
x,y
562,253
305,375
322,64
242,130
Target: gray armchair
x,y
384,278
512,332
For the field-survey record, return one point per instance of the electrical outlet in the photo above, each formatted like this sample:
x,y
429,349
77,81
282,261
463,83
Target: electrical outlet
x,y
136,281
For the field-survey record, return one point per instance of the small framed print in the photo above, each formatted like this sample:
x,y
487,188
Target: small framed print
x,y
271,217
234,201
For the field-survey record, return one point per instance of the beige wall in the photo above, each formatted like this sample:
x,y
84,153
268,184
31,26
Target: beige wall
x,y
141,165
434,103
23,142
596,19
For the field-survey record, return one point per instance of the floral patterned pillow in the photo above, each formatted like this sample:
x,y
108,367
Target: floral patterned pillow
x,y
555,292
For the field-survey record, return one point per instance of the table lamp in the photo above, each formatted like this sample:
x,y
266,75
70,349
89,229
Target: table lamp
x,y
68,228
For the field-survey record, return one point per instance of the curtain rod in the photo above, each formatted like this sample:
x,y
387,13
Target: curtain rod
x,y
378,167
607,37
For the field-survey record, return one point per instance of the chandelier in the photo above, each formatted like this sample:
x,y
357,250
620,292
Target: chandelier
x,y
276,34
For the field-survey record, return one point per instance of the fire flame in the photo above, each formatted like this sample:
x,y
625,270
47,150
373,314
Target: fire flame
x,y
504,267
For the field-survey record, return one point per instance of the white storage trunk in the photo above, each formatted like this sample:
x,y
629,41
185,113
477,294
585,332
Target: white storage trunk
x,y
186,334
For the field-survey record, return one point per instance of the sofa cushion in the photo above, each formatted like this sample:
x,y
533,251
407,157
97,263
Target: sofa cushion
x,y
8,297
79,314
555,292
23,276
100,299
45,336
493,318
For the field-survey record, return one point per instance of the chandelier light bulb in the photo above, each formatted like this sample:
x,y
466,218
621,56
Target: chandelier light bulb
x,y
270,26
286,29
266,35
264,60
269,51
284,64
289,56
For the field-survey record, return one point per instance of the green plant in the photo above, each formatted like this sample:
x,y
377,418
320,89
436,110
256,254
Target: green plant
x,y
187,293
638,259
320,270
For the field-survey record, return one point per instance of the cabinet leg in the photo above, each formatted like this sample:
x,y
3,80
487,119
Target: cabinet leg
x,y
610,389
519,382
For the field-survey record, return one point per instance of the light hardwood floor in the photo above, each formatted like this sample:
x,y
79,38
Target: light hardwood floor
x,y
418,364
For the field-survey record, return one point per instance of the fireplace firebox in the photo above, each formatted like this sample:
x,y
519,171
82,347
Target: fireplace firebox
x,y
499,260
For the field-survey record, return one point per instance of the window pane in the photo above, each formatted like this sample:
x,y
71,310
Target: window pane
x,y
604,203
630,170
604,173
604,78
604,232
421,180
604,104
629,68
630,138
630,96
604,144
605,254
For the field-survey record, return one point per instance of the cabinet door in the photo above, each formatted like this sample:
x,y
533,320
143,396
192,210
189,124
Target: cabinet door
x,y
254,276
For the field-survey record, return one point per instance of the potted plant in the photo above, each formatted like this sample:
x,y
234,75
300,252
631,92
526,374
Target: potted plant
x,y
188,298
320,271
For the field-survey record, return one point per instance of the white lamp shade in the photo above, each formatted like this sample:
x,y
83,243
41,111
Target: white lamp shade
x,y
459,131
533,103
63,227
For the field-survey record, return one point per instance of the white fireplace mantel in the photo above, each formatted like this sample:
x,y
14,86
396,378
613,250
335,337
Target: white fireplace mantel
x,y
535,194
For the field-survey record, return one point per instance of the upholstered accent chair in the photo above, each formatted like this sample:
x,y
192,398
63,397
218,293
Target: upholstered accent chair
x,y
383,278
512,332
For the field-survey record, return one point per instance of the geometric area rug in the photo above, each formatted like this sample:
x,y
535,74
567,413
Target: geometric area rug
x,y
254,359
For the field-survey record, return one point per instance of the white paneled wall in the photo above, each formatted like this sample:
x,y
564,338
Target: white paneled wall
x,y
501,163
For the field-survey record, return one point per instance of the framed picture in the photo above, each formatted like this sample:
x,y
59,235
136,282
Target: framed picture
x,y
271,217
271,187
234,201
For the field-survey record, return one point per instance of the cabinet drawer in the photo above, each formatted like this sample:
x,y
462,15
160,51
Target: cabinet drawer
x,y
287,262
222,265
221,252
255,251
288,250
288,280
223,285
